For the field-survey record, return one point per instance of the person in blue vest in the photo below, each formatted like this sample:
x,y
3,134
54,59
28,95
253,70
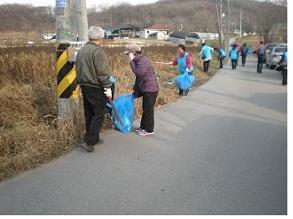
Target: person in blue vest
x,y
221,55
233,54
244,52
206,55
261,56
184,63
283,64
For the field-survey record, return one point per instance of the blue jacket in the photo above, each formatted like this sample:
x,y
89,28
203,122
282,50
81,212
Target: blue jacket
x,y
233,54
182,64
207,53
221,53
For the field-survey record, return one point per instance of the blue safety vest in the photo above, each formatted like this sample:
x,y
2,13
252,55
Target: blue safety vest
x,y
234,54
221,53
181,63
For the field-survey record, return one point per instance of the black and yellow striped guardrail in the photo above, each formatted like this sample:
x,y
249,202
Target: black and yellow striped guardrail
x,y
66,74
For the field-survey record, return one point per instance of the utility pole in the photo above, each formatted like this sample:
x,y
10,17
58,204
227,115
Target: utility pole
x,y
221,20
219,16
228,27
71,26
78,19
62,25
240,26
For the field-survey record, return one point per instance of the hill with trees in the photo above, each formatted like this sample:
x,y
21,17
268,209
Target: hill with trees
x,y
264,17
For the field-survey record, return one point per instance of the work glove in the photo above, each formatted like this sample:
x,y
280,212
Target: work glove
x,y
131,56
108,93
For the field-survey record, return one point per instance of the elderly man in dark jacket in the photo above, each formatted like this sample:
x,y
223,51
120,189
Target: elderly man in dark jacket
x,y
93,77
146,85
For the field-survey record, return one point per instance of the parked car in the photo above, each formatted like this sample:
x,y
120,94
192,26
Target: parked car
x,y
269,47
275,55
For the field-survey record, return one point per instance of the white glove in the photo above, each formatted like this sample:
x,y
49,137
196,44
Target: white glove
x,y
108,93
131,56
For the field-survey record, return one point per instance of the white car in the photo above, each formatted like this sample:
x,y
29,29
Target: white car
x,y
275,55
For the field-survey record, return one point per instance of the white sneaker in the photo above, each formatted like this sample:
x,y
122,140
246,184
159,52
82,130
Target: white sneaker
x,y
145,133
137,129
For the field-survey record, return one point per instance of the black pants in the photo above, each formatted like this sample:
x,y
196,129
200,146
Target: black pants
x,y
260,62
243,60
234,63
221,62
148,103
206,65
182,92
284,73
94,102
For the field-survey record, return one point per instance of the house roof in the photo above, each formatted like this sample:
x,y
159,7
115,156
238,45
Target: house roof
x,y
159,27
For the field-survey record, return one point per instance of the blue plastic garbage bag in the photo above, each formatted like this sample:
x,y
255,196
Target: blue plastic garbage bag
x,y
123,113
185,81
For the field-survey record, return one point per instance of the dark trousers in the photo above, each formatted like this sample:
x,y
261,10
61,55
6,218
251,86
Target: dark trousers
x,y
94,102
234,63
284,73
260,62
148,103
182,92
206,65
221,62
243,60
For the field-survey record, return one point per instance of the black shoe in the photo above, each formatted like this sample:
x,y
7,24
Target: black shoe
x,y
88,148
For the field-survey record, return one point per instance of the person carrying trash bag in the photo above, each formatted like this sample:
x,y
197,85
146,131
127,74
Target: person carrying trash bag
x,y
93,78
233,54
221,55
146,86
261,56
184,63
206,54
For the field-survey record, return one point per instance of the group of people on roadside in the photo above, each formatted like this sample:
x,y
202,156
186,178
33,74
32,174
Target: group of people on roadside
x,y
261,59
98,85
244,51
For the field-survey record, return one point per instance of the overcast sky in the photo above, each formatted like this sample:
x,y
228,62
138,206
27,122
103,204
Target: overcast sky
x,y
89,2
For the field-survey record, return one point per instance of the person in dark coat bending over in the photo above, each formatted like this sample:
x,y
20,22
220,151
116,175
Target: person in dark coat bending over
x,y
146,86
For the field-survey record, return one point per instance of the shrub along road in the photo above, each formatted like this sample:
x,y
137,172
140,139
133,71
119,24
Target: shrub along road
x,y
220,150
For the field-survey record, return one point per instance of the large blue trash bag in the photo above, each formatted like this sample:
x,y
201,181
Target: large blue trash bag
x,y
185,81
123,113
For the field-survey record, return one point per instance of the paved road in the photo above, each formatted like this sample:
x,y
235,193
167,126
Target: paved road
x,y
221,150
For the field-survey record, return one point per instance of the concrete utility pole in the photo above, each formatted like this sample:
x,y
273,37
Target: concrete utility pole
x,y
240,26
71,26
79,19
62,25
228,27
219,19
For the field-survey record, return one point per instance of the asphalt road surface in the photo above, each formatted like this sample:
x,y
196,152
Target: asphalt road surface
x,y
220,150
